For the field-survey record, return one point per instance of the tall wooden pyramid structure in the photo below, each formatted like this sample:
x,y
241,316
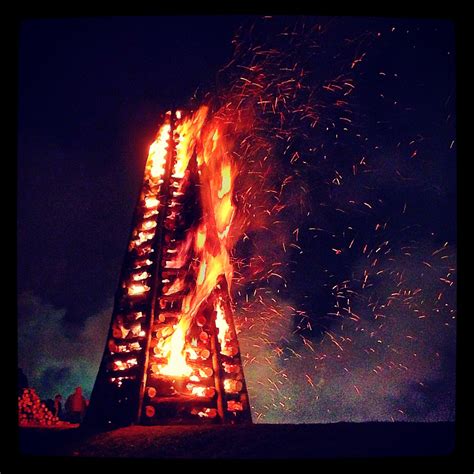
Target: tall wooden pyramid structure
x,y
172,354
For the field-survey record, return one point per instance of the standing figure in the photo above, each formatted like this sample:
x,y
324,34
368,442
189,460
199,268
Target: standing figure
x,y
58,409
76,406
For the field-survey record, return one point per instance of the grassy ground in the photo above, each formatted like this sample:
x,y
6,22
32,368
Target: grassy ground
x,y
252,441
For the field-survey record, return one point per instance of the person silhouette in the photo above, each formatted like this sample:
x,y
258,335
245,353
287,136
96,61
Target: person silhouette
x,y
58,409
76,406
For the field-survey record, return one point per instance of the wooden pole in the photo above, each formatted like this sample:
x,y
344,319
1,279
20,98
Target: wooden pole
x,y
216,366
165,186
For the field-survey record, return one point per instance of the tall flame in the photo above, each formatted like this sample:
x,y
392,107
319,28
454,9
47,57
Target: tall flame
x,y
211,248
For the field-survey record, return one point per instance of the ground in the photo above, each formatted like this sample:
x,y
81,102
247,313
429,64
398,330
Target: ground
x,y
265,441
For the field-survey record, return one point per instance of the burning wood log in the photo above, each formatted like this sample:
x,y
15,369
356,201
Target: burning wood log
x,y
32,411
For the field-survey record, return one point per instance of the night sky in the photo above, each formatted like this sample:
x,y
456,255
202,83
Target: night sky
x,y
92,92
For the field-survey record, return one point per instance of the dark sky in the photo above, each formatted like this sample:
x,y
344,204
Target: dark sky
x,y
91,92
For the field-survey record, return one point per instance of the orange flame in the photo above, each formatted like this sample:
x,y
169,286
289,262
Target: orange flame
x,y
137,289
177,365
221,324
211,248
158,151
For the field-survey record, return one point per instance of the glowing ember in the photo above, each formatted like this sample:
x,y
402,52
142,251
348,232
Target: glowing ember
x,y
138,289
151,202
143,263
124,365
151,212
222,326
140,276
174,349
158,151
232,386
147,225
177,286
